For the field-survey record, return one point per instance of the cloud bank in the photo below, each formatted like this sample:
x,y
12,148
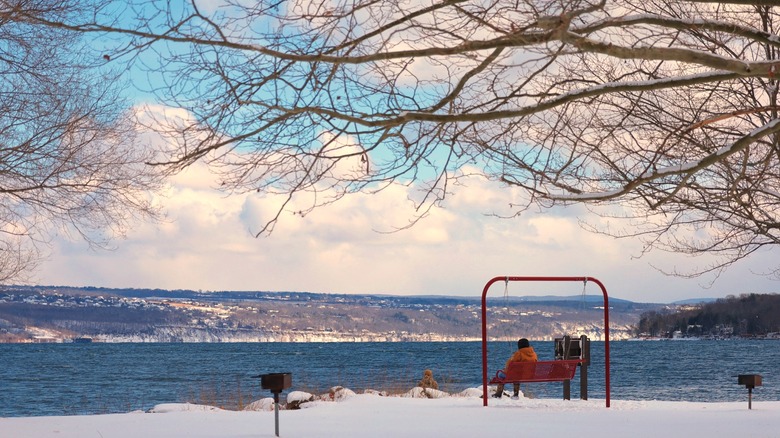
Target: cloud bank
x,y
207,243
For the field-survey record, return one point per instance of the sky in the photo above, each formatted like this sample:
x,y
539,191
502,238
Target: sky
x,y
206,242
367,415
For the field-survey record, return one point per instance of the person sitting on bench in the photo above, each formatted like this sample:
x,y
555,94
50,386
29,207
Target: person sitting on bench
x,y
525,353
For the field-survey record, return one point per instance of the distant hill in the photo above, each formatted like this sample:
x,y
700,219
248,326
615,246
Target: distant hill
x,y
749,315
590,299
57,313
227,296
692,301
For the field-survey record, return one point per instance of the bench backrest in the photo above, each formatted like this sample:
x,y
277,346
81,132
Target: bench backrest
x,y
542,371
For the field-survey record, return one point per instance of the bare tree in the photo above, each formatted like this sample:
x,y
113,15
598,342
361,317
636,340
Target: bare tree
x,y
663,114
68,162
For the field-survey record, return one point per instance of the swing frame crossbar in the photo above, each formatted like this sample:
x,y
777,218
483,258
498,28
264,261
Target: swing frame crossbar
x,y
507,279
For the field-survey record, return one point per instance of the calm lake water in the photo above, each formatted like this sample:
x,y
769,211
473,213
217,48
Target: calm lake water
x,y
68,379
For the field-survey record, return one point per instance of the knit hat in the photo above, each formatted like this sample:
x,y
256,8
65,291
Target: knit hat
x,y
523,343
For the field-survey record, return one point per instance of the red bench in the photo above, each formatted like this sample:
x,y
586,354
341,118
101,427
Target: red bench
x,y
542,371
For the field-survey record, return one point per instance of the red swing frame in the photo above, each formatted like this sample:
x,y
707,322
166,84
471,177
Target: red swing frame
x,y
542,279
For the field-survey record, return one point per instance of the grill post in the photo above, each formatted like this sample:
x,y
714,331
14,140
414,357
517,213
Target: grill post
x,y
585,345
276,383
750,381
567,348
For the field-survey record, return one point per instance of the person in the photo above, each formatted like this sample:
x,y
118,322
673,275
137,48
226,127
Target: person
x,y
525,353
428,381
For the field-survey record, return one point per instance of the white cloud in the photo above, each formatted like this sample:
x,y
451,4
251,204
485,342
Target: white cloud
x,y
207,243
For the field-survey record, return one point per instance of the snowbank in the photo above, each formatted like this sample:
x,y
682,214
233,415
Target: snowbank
x,y
459,415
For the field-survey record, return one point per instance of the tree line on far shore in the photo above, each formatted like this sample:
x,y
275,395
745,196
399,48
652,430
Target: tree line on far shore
x,y
748,315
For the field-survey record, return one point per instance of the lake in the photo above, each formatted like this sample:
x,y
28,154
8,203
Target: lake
x,y
94,378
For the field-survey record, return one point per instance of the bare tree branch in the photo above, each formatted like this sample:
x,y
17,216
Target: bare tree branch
x,y
68,161
659,113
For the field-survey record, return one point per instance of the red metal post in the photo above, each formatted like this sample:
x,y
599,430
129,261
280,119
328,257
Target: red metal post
x,y
484,326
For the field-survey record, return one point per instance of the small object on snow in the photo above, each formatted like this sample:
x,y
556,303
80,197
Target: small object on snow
x,y
428,381
180,407
420,392
264,404
471,392
276,382
338,393
750,381
296,398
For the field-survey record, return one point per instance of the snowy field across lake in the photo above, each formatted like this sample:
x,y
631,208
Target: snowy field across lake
x,y
368,415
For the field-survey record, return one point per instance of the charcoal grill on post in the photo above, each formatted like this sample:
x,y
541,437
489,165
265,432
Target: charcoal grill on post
x,y
276,383
568,348
750,381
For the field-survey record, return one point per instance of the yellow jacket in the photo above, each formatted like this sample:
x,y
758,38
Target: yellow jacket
x,y
526,354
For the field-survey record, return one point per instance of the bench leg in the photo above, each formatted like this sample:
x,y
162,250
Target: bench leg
x,y
584,382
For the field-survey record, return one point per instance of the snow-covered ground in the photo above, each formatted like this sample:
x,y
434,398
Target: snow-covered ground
x,y
374,415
